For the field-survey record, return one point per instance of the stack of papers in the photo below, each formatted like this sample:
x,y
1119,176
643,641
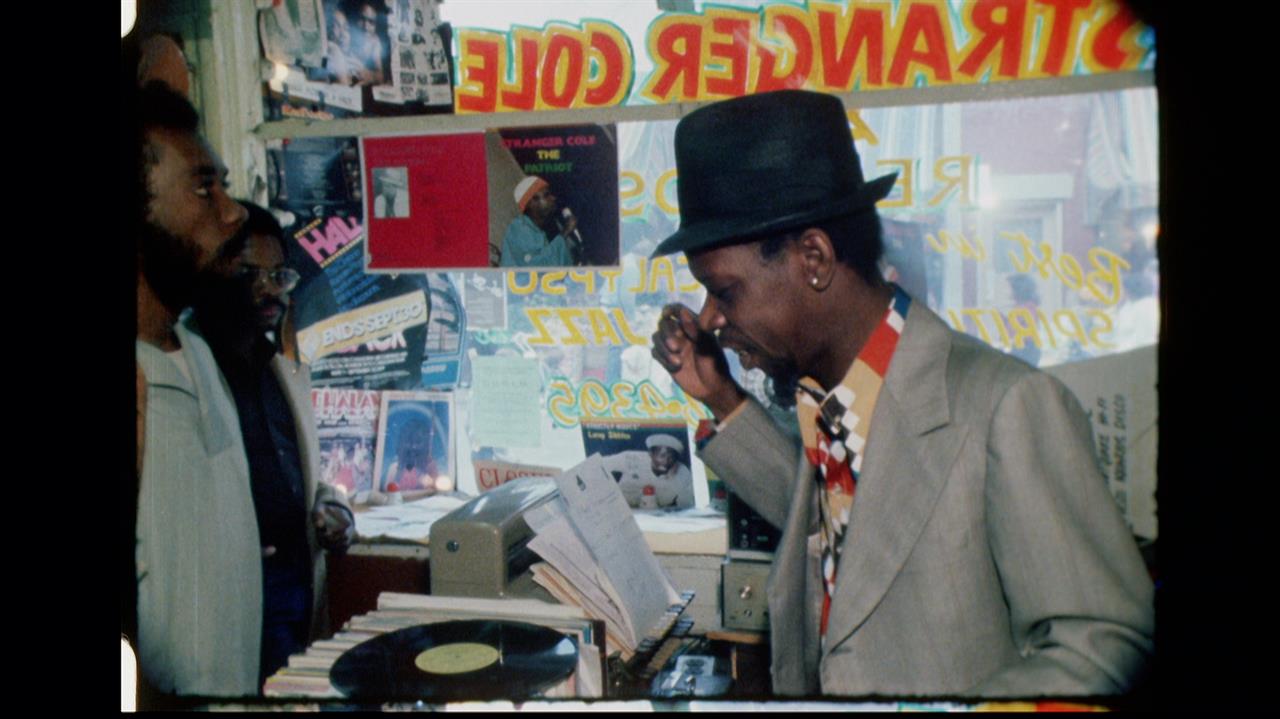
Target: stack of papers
x,y
597,557
410,521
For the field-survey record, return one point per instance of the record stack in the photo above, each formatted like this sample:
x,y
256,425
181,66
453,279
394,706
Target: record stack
x,y
440,649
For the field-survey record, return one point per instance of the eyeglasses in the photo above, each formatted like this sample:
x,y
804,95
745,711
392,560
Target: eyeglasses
x,y
283,278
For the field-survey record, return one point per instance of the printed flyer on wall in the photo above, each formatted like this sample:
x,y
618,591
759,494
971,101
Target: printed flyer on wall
x,y
557,205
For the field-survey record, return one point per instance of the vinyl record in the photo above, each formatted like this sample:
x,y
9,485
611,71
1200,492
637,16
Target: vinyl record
x,y
459,660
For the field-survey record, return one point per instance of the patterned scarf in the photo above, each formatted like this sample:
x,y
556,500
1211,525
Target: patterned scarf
x,y
834,427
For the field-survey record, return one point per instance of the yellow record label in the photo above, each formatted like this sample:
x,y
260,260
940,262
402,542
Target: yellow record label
x,y
456,658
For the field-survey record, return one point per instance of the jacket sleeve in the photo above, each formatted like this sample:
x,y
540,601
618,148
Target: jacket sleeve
x,y
757,460
328,494
1079,597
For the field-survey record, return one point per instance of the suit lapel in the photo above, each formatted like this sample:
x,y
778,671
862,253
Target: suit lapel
x,y
215,430
903,472
292,379
794,660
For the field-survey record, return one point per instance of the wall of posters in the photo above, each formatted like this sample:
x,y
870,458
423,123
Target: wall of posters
x,y
343,58
1027,223
356,329
512,197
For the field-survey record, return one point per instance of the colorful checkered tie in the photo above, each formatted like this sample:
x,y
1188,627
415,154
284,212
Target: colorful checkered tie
x,y
834,426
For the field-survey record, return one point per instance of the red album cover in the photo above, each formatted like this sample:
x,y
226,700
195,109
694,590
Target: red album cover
x,y
426,202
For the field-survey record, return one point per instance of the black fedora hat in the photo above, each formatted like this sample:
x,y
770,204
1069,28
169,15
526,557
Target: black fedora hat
x,y
766,163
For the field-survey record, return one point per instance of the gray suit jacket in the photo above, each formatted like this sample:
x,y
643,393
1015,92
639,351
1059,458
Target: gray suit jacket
x,y
198,555
984,555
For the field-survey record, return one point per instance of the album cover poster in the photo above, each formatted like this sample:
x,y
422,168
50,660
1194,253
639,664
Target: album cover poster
x,y
350,58
575,223
347,425
314,190
426,199
649,459
415,441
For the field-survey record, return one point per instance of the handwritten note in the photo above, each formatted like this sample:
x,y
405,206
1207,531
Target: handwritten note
x,y
505,394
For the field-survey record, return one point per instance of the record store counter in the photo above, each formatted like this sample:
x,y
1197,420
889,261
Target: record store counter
x,y
392,555
371,567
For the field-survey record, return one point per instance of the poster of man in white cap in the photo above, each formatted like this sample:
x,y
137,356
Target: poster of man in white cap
x,y
534,239
558,187
650,460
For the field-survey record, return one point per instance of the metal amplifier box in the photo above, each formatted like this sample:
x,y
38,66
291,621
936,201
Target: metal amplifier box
x,y
750,535
481,548
743,604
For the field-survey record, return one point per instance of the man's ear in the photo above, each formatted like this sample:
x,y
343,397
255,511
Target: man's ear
x,y
817,257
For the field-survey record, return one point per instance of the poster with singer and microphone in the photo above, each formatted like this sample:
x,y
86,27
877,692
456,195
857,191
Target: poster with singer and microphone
x,y
553,196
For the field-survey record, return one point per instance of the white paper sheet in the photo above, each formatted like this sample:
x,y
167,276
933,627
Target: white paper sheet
x,y
411,520
560,546
601,516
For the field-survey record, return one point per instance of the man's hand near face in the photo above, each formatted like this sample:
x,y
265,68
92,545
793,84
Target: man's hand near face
x,y
695,360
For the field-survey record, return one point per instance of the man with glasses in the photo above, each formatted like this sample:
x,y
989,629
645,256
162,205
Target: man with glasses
x,y
240,306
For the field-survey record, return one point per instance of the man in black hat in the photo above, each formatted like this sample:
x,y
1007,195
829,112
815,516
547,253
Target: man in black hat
x,y
946,531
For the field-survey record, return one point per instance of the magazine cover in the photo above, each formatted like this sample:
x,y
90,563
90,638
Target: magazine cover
x,y
553,196
347,424
650,460
349,58
415,442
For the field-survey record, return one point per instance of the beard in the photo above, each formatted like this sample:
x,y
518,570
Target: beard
x,y
170,265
